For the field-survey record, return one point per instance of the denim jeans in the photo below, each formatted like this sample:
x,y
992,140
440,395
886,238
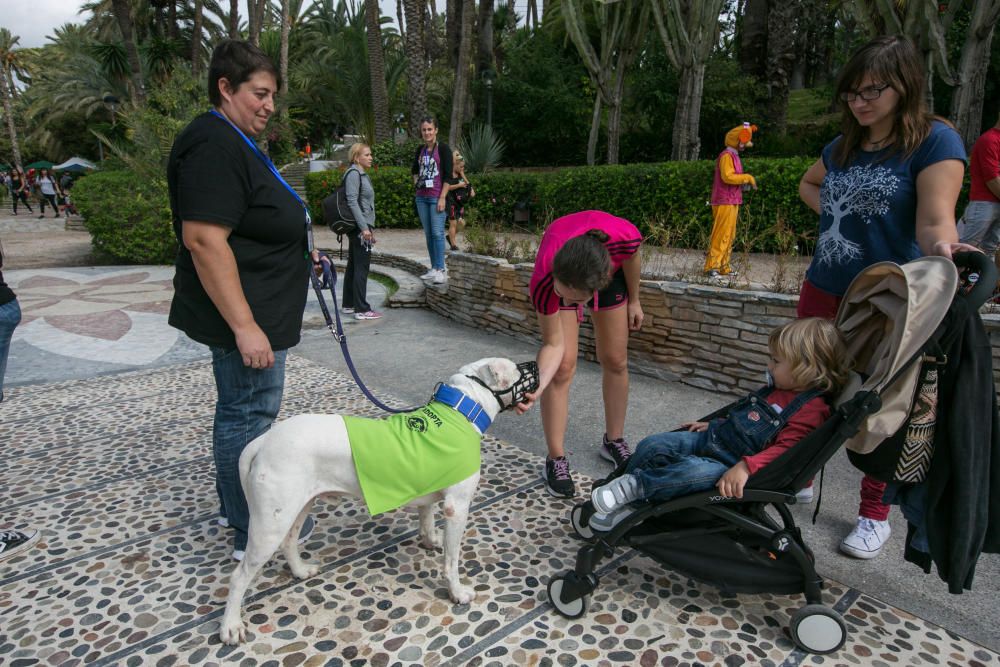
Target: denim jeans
x,y
676,463
10,316
248,403
433,223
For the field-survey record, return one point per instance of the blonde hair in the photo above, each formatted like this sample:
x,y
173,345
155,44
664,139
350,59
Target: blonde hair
x,y
456,156
816,352
355,152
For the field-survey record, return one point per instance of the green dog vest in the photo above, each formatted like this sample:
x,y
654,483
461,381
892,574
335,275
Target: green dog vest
x,y
409,455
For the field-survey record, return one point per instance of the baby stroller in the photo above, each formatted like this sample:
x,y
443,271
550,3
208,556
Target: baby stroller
x,y
890,315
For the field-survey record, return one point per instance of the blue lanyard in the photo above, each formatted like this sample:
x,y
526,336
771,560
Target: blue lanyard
x,y
270,166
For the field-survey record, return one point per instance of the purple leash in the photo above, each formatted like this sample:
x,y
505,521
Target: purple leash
x,y
330,278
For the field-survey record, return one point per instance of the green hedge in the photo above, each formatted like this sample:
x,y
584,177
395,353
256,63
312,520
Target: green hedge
x,y
667,201
127,217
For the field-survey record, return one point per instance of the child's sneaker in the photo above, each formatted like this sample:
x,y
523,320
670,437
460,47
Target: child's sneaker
x,y
605,522
867,538
14,541
616,451
558,481
619,491
368,315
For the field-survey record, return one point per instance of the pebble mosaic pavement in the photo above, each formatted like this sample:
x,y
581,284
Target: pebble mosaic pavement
x,y
132,568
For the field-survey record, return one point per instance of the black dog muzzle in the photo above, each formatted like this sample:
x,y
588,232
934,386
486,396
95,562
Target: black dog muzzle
x,y
526,383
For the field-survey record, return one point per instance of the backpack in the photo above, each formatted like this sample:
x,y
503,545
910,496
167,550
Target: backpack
x,y
337,213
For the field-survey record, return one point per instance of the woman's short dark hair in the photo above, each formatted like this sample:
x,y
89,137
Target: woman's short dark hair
x,y
236,61
428,119
584,262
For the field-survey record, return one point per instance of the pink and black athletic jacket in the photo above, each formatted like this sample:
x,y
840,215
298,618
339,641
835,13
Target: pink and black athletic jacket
x,y
623,242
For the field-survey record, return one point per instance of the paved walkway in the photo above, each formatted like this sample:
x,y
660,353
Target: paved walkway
x,y
106,439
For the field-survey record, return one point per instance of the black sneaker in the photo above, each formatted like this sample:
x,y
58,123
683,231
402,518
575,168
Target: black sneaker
x,y
558,481
13,541
616,451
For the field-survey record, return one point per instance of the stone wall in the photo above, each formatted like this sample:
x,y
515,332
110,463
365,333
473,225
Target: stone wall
x,y
709,337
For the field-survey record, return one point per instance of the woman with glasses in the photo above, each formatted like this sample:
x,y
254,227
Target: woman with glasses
x,y
885,190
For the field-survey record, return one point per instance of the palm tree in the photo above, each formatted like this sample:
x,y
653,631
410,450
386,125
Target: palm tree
x,y
196,38
10,62
376,71
462,68
234,19
416,63
123,15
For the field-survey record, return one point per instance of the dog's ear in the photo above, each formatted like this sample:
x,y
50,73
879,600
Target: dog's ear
x,y
498,373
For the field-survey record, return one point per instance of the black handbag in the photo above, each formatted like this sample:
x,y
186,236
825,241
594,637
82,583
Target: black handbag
x,y
337,213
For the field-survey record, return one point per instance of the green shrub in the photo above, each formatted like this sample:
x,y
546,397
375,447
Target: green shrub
x,y
127,217
394,193
391,154
669,201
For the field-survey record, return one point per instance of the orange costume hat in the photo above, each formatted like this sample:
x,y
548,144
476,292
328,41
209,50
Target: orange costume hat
x,y
740,135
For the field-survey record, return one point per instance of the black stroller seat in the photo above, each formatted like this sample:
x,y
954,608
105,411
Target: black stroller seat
x,y
751,544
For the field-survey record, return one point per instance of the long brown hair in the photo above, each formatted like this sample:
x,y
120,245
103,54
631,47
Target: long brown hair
x,y
891,59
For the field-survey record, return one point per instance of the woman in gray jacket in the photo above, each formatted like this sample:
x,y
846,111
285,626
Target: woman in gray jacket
x,y
361,200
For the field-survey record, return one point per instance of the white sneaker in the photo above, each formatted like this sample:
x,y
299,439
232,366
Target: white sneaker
x,y
619,491
805,496
430,274
440,278
867,538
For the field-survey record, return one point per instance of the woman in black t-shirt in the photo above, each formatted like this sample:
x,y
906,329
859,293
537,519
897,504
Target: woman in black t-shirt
x,y
19,189
241,271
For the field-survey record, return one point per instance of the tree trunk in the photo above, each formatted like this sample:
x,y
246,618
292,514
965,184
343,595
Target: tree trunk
x,y
234,19
595,129
255,10
532,18
753,36
196,39
286,27
15,146
175,31
614,125
462,71
453,23
124,17
686,143
967,98
416,64
399,19
780,60
376,72
484,52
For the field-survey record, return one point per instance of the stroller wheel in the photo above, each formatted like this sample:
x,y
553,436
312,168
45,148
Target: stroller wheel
x,y
818,629
569,609
579,518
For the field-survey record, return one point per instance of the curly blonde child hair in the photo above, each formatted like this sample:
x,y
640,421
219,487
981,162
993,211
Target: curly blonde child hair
x,y
816,352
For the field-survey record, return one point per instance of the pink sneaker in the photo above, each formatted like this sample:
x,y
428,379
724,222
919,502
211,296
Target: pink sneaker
x,y
370,315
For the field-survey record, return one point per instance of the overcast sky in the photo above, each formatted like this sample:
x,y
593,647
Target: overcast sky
x,y
35,20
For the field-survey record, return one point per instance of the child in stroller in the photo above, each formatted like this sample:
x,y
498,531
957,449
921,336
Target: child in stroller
x,y
809,362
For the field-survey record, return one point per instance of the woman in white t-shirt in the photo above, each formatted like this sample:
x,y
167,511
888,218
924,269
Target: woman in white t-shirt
x,y
48,188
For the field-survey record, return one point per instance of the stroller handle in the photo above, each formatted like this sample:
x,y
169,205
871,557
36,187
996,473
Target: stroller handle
x,y
978,274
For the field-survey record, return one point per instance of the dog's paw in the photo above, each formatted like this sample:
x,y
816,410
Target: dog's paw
x,y
303,571
462,594
233,633
432,540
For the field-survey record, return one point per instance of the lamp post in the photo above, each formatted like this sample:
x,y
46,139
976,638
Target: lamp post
x,y
488,77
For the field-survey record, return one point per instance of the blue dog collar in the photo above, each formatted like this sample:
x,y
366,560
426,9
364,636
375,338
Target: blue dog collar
x,y
472,410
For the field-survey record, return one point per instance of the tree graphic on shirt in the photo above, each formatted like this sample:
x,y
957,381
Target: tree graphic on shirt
x,y
859,191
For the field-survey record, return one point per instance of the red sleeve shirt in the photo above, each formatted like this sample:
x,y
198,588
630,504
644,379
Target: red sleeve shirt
x,y
624,240
984,165
803,422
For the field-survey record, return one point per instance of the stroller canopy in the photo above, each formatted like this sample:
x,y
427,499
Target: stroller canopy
x,y
887,316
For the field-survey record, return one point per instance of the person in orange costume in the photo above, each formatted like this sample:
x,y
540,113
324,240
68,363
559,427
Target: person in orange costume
x,y
727,195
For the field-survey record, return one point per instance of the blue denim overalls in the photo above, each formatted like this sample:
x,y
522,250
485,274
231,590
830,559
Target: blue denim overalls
x,y
676,463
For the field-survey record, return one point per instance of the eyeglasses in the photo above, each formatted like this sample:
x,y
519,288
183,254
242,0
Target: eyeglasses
x,y
868,94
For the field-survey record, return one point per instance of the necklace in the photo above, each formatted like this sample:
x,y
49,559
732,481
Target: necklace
x,y
878,143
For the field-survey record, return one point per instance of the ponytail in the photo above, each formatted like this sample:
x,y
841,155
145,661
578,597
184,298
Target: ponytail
x,y
584,262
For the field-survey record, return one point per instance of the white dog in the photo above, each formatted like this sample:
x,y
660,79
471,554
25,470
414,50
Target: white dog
x,y
311,455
